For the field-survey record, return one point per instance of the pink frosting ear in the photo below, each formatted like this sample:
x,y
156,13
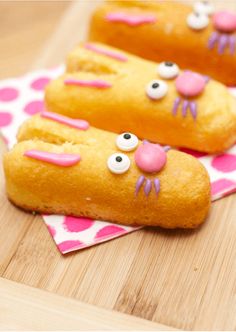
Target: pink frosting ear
x,y
131,19
76,123
150,157
59,159
99,84
108,53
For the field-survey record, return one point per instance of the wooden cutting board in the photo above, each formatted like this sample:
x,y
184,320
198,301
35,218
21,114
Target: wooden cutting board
x,y
170,279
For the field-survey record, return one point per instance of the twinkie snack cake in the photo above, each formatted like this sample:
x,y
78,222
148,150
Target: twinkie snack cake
x,y
116,91
65,166
197,37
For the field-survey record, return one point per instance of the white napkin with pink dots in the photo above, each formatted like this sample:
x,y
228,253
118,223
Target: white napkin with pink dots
x,y
22,97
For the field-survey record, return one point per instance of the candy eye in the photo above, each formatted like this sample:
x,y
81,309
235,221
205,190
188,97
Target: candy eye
x,y
156,89
118,163
127,142
203,7
197,21
168,70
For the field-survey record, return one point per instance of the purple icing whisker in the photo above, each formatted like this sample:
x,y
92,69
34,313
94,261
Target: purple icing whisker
x,y
223,41
157,185
166,148
206,78
148,187
193,109
176,105
185,108
232,44
139,184
213,40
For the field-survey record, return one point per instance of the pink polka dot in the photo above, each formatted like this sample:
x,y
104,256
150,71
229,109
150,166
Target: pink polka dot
x,y
224,163
193,153
8,94
67,246
221,186
73,224
109,231
34,107
5,119
52,230
40,83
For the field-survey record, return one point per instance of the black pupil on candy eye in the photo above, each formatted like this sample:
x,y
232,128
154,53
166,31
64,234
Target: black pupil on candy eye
x,y
127,136
155,85
118,159
169,64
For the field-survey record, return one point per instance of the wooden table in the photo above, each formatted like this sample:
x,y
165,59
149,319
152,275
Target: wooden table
x,y
150,279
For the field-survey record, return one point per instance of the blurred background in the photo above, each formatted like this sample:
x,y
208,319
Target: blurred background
x,y
25,28
38,34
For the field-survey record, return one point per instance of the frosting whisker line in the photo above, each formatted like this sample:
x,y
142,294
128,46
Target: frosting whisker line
x,y
139,184
166,148
232,44
223,41
207,78
157,185
213,40
148,187
193,109
185,108
176,105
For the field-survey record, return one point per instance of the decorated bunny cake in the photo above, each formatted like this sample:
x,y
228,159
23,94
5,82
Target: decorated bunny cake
x,y
197,37
64,166
119,92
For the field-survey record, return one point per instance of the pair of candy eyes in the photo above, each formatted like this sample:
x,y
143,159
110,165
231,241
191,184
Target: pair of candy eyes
x,y
119,163
199,19
157,89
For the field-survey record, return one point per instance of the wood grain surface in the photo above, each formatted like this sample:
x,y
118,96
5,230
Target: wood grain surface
x,y
27,306
181,279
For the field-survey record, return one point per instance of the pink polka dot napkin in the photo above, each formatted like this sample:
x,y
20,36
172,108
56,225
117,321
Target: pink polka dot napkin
x,y
22,97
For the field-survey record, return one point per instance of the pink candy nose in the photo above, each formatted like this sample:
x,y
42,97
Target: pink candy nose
x,y
190,84
225,21
150,157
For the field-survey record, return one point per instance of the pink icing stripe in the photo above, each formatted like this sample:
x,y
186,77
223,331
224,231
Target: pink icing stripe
x,y
93,84
111,54
76,123
60,159
131,19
